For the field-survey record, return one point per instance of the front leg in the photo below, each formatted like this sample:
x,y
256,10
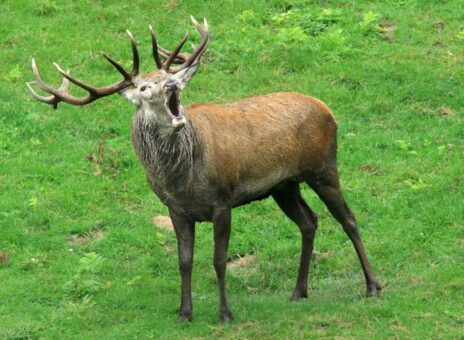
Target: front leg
x,y
222,224
185,233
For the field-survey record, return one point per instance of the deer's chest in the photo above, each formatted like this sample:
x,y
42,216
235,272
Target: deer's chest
x,y
171,173
188,201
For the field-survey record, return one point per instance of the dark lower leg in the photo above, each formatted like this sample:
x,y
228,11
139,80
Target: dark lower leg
x,y
185,232
349,225
222,226
301,287
293,205
330,193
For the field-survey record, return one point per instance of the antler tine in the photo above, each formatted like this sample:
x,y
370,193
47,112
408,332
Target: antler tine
x,y
203,30
76,81
117,66
38,81
52,100
155,48
57,95
174,53
179,59
198,52
135,55
163,52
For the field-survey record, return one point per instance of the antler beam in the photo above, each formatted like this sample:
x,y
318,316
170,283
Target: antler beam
x,y
62,93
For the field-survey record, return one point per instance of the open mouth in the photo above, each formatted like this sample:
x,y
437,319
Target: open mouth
x,y
174,110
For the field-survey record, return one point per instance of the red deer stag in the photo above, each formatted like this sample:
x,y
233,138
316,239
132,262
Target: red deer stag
x,y
205,159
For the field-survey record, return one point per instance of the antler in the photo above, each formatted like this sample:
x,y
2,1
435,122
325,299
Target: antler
x,y
62,94
174,57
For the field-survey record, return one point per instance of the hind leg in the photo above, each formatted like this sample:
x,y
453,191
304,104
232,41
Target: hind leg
x,y
327,187
292,204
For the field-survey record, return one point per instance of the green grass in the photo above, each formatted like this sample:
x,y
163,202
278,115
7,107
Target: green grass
x,y
393,73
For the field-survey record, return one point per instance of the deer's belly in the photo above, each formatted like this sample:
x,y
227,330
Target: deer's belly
x,y
250,190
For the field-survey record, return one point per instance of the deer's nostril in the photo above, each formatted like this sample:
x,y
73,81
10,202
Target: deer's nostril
x,y
170,86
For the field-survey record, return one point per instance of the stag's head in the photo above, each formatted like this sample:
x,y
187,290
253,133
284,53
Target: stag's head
x,y
155,93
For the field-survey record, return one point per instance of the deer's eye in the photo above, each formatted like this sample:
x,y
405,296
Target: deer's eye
x,y
143,88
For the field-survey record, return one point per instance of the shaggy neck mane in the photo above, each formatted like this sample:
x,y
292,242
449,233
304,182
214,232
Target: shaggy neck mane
x,y
167,155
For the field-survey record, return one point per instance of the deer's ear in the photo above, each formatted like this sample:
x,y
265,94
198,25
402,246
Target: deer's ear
x,y
132,94
183,77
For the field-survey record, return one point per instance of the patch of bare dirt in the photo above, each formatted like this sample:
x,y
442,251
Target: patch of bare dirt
x,y
86,238
170,4
372,169
163,222
445,112
440,24
388,31
241,261
4,257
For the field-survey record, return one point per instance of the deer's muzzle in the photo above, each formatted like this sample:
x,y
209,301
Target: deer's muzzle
x,y
171,86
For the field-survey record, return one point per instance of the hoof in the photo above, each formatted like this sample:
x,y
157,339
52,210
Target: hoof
x,y
225,317
373,289
298,295
185,316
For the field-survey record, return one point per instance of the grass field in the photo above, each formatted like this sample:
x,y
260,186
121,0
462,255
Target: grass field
x,y
80,255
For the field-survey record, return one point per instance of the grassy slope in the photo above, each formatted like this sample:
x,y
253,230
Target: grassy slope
x,y
399,105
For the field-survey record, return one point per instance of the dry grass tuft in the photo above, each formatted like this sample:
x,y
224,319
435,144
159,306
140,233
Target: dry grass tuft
x,y
96,235
241,261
